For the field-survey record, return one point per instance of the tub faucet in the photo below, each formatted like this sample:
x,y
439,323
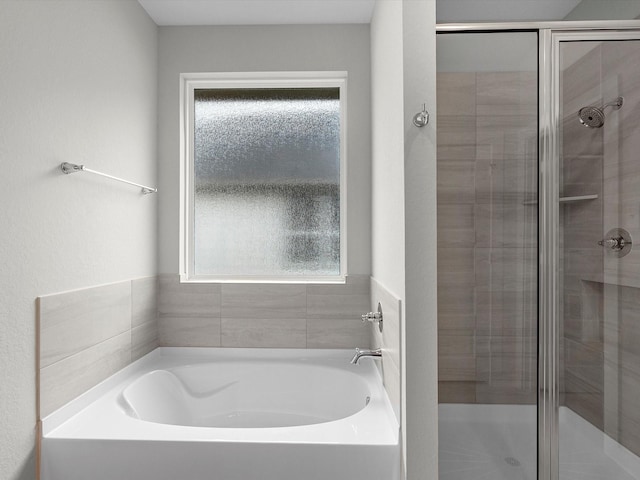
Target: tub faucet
x,y
365,353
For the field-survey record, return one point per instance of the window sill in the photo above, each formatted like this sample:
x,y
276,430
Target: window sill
x,y
201,279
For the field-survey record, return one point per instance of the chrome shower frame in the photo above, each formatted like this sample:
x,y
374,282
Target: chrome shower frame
x,y
550,35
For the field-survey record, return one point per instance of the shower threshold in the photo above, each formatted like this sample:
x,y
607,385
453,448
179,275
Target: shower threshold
x,y
498,442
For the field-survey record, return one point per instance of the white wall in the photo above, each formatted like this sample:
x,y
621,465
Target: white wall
x,y
268,48
420,336
404,209
78,84
387,133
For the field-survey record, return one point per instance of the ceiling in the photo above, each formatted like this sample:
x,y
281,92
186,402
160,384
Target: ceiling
x,y
258,12
282,12
449,11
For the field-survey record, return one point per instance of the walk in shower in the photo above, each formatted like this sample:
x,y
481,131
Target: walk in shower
x,y
539,252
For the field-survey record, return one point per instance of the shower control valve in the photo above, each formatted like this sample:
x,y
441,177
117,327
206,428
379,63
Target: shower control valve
x,y
374,317
617,241
613,243
371,317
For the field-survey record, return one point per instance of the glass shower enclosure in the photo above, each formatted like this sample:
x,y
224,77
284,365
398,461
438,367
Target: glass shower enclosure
x,y
538,269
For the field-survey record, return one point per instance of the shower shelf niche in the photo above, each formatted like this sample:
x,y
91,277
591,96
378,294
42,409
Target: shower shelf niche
x,y
579,198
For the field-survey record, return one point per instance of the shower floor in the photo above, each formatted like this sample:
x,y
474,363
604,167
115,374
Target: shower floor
x,y
498,442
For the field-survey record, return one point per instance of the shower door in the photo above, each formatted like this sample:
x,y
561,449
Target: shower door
x,y
539,255
597,87
487,85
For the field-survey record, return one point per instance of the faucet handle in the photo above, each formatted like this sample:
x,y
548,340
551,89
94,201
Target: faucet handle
x,y
371,317
374,317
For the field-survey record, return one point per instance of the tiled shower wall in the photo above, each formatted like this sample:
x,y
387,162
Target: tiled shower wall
x,y
263,315
581,228
602,292
86,335
487,232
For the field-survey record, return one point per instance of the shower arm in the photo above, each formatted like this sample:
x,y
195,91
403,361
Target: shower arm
x,y
617,103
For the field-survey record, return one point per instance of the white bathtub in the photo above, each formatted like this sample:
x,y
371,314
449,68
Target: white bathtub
x,y
228,414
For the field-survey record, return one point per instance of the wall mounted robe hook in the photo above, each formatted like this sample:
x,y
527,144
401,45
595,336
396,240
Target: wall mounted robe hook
x,y
420,119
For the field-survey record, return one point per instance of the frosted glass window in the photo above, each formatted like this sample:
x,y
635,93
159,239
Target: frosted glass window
x,y
266,181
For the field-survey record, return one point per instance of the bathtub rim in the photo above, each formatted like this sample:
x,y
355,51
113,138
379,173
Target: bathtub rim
x,y
59,424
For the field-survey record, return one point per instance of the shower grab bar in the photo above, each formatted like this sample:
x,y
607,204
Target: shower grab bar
x,y
69,168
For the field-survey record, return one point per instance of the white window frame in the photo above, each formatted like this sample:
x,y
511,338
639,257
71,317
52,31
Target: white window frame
x,y
189,82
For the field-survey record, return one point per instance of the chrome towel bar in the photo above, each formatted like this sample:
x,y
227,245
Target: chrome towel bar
x,y
73,168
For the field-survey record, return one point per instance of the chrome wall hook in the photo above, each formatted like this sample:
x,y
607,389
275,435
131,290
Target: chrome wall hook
x,y
420,119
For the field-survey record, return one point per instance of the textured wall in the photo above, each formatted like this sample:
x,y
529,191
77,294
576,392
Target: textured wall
x,y
78,84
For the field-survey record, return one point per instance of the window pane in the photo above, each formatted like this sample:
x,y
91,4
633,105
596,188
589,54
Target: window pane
x,y
267,181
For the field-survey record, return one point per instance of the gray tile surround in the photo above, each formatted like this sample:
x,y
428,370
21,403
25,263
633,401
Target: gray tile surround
x,y
388,340
86,335
264,315
77,320
64,380
263,301
264,332
89,334
187,299
188,331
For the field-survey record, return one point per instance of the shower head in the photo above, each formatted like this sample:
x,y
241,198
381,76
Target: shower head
x,y
593,117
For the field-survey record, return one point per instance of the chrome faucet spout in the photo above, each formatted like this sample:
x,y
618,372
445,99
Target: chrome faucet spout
x,y
365,353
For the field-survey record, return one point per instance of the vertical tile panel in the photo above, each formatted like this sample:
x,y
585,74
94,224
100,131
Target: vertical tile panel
x,y
144,300
389,338
456,93
64,380
176,331
144,339
337,333
334,314
582,359
72,321
350,300
263,301
188,314
456,392
144,316
264,333
187,299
